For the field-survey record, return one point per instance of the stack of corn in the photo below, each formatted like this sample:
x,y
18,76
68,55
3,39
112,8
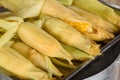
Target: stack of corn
x,y
39,38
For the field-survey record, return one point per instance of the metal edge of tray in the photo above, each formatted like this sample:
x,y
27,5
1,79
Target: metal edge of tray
x,y
4,77
103,49
110,4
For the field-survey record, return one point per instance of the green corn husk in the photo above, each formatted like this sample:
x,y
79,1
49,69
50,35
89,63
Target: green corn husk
x,y
36,58
98,21
42,41
77,54
94,6
66,2
16,64
62,63
63,32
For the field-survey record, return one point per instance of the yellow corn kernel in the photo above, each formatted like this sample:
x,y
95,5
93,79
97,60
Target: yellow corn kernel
x,y
82,26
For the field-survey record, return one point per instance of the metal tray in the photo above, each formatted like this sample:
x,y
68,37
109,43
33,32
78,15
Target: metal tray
x,y
109,54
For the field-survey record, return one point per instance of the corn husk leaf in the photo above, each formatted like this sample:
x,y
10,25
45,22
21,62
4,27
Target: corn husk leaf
x,y
39,22
10,27
62,63
66,2
5,14
10,22
23,8
7,36
77,54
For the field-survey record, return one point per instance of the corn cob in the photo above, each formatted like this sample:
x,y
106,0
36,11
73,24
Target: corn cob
x,y
63,32
25,70
41,41
35,57
98,21
99,9
55,9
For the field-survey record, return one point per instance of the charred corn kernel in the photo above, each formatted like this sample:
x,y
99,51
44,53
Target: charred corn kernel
x,y
16,64
42,41
36,58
